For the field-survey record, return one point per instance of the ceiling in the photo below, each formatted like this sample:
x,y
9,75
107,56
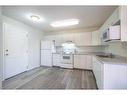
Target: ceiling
x,y
89,16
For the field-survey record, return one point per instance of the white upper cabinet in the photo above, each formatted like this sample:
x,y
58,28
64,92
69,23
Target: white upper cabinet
x,y
96,38
67,37
115,17
62,38
57,38
80,39
123,22
83,39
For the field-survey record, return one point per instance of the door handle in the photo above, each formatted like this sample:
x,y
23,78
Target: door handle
x,y
6,54
6,50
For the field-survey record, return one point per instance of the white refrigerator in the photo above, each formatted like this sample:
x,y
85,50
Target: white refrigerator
x,y
46,53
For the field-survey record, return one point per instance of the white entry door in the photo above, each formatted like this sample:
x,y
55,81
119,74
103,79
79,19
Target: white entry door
x,y
16,48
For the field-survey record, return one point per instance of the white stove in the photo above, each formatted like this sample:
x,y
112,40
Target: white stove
x,y
67,55
67,60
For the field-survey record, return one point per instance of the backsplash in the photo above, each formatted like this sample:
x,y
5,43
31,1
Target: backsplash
x,y
117,48
85,49
89,49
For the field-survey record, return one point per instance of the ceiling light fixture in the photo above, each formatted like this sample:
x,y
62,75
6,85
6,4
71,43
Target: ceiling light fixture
x,y
35,18
62,23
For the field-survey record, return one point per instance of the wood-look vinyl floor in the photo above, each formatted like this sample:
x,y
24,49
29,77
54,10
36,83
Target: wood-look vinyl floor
x,y
52,78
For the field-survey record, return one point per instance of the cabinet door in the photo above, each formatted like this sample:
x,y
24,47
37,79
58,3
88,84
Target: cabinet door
x,y
89,62
58,40
83,39
98,73
68,37
80,61
96,38
123,18
94,68
56,60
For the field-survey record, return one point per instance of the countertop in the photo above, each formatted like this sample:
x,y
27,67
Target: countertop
x,y
115,60
56,53
82,53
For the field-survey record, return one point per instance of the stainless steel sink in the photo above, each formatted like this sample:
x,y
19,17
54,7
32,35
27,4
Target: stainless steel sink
x,y
109,55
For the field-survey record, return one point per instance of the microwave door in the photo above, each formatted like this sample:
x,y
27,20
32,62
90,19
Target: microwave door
x,y
106,36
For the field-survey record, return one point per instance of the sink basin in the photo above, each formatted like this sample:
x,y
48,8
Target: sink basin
x,y
106,56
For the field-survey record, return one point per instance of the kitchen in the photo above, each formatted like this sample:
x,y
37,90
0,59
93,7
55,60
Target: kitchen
x,y
88,53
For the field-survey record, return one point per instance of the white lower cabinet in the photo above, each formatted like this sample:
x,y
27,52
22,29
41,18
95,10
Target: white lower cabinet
x,y
98,71
56,60
109,75
82,62
89,62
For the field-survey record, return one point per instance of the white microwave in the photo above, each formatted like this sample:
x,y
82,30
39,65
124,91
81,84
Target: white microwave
x,y
112,33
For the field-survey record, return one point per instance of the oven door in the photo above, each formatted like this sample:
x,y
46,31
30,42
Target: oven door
x,y
67,59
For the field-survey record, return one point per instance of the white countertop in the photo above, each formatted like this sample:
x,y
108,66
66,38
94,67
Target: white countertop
x,y
114,60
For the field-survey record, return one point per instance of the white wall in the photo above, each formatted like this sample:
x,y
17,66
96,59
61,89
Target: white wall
x,y
1,53
34,37
34,48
